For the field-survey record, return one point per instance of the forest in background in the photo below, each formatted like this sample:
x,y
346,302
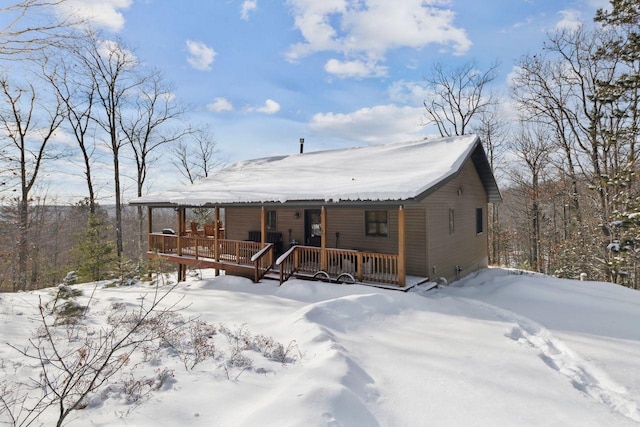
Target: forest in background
x,y
562,142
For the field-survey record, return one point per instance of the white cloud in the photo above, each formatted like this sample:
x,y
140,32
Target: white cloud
x,y
112,51
527,21
102,13
200,56
571,19
248,6
358,69
220,104
270,107
408,92
382,123
364,31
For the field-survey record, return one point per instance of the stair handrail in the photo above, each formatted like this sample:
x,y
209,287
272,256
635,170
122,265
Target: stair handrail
x,y
261,252
257,259
280,261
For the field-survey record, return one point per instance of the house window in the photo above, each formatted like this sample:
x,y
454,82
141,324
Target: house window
x,y
479,221
271,221
376,223
452,224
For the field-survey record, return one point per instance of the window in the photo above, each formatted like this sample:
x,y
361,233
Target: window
x,y
272,224
376,223
479,221
452,225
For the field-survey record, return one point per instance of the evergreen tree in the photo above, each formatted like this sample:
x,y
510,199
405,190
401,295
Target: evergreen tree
x,y
623,95
95,253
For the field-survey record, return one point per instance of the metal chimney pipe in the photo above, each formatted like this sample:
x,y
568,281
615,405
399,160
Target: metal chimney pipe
x,y
301,145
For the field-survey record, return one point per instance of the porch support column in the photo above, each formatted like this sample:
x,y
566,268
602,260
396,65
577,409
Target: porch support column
x,y
323,239
149,219
402,275
149,231
263,226
216,229
180,226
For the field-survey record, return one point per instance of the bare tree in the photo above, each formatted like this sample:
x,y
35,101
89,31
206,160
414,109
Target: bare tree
x,y
492,129
147,127
195,155
533,147
32,26
112,69
458,95
25,152
77,93
561,88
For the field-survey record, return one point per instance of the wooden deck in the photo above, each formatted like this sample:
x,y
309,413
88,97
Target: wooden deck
x,y
255,260
241,258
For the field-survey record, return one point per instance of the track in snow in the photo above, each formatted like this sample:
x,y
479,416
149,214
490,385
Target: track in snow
x,y
584,376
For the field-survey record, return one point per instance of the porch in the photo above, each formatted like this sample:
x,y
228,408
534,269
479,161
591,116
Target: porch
x,y
255,257
255,260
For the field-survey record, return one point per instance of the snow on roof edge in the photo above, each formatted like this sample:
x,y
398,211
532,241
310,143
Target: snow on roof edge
x,y
379,173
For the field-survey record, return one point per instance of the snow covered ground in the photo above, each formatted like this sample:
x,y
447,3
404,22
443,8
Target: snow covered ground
x,y
496,349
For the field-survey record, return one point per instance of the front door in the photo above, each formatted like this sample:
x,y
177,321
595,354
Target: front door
x,y
312,227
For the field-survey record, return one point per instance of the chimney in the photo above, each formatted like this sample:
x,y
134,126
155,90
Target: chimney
x,y
301,145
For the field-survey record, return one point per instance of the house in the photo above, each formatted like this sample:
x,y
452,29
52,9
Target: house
x,y
393,214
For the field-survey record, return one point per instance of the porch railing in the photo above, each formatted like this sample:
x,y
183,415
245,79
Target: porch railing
x,y
228,251
340,263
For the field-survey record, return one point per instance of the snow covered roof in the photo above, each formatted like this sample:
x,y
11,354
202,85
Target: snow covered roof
x,y
376,173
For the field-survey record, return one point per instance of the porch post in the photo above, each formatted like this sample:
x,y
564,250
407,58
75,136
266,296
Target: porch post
x,y
183,231
179,227
149,219
149,231
216,229
402,275
263,226
323,239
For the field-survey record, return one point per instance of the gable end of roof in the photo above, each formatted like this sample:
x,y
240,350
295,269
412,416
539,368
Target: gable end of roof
x,y
481,163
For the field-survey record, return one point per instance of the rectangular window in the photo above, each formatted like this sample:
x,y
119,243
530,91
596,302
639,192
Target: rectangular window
x,y
479,220
272,224
452,225
376,223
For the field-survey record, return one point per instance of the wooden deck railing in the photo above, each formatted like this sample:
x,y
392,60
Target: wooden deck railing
x,y
362,266
163,243
229,251
244,254
345,264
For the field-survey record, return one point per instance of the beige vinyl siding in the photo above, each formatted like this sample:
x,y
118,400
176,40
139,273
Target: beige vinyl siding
x,y
464,247
416,238
287,221
239,221
350,223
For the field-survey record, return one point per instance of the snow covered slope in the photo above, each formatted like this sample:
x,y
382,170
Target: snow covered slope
x,y
496,349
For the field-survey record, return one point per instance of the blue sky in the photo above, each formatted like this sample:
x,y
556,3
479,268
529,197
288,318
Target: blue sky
x,y
336,72
340,73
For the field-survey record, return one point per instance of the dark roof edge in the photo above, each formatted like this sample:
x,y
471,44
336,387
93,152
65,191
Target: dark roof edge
x,y
289,203
481,162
